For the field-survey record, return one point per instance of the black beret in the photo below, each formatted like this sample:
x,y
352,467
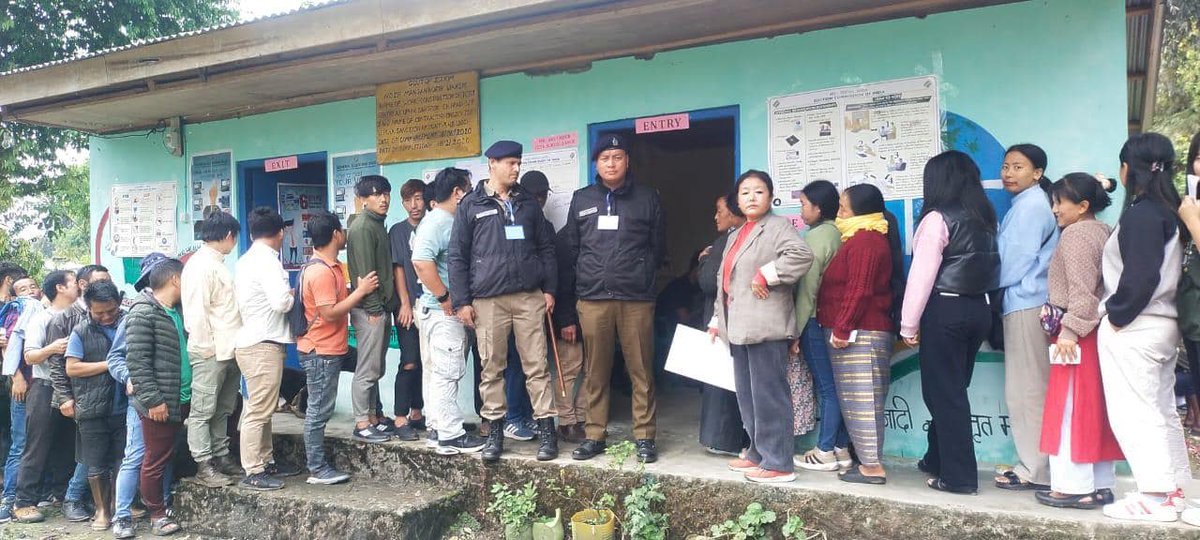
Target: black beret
x,y
503,149
609,142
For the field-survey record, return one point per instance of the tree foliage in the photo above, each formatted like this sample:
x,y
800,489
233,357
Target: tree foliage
x,y
34,32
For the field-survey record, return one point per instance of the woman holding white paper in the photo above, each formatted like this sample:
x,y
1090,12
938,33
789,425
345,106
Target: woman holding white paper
x,y
756,315
1075,430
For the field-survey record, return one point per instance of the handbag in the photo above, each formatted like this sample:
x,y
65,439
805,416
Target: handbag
x,y
1051,319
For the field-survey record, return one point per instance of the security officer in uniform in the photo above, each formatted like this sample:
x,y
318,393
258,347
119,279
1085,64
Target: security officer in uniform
x,y
615,235
503,276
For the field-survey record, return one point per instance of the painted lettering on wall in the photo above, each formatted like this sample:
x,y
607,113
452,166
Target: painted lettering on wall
x,y
670,122
281,164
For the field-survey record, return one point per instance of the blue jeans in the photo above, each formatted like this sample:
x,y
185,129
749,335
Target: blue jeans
x,y
516,395
13,463
78,484
131,466
832,432
322,373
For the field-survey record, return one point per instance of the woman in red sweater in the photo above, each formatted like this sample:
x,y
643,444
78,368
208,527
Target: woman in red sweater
x,y
854,305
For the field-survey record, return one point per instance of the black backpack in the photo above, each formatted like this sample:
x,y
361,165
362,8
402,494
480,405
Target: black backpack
x,y
296,318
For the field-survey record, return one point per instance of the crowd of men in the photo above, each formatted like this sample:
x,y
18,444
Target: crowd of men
x,y
105,388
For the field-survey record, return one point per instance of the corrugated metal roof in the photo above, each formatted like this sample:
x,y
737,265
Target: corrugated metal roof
x,y
1140,18
148,41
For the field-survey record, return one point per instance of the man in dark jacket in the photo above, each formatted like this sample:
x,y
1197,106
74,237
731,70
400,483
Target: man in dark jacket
x,y
99,403
156,355
502,270
615,234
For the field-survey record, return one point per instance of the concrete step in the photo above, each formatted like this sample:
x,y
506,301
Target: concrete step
x,y
362,509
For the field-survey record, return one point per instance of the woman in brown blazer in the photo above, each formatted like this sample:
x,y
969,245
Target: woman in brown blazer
x,y
755,314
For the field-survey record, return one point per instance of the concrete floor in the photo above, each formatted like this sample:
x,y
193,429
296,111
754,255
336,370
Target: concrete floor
x,y
681,454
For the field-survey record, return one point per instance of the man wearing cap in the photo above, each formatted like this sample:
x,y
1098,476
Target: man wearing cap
x,y
615,237
502,280
569,402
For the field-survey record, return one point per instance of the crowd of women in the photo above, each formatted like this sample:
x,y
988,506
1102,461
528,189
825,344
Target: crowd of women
x,y
1091,318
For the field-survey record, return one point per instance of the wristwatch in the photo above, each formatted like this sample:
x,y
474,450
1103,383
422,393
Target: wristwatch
x,y
445,296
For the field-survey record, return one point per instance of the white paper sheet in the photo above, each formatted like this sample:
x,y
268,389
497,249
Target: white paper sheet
x,y
694,355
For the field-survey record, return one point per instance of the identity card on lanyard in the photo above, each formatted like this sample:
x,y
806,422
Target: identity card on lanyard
x,y
512,231
609,221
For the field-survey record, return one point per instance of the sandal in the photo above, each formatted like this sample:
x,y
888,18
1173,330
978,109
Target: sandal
x,y
1010,481
854,475
1087,501
164,526
939,485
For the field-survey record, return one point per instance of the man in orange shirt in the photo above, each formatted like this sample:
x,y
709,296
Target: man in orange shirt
x,y
326,343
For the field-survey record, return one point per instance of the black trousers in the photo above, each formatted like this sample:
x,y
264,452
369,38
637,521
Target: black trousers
x,y
103,444
952,329
49,445
408,381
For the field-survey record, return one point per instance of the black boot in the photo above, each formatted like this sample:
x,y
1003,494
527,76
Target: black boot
x,y
547,440
495,441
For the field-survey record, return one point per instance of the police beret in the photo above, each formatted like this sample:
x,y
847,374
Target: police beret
x,y
535,182
609,142
503,149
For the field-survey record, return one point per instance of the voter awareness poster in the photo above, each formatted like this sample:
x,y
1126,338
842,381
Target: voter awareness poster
x,y
211,183
345,170
879,133
297,203
142,219
561,168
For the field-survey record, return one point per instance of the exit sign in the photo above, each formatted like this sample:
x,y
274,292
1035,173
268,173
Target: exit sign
x,y
281,164
670,122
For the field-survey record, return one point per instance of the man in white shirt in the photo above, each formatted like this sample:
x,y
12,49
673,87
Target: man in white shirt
x,y
210,315
264,298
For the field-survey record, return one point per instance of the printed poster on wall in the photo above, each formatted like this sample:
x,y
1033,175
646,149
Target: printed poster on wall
x,y
296,204
143,219
211,177
345,170
561,168
879,133
428,118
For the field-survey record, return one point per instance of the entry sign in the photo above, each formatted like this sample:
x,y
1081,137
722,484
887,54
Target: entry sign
x,y
282,164
670,122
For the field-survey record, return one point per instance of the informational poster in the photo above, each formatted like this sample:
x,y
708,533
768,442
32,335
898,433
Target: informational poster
x,y
561,168
880,133
211,180
428,118
296,203
477,167
345,170
143,219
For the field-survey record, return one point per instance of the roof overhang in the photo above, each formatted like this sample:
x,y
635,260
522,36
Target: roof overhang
x,y
343,50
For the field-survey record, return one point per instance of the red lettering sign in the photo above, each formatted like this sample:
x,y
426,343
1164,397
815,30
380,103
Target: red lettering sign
x,y
670,122
281,164
551,142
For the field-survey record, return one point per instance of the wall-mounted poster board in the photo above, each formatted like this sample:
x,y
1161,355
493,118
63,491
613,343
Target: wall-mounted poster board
x,y
296,204
561,168
211,182
879,133
428,118
345,170
143,219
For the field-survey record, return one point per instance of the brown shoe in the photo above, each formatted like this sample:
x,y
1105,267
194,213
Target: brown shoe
x,y
28,514
208,475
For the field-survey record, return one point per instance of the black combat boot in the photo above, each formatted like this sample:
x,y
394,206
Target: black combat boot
x,y
547,440
495,441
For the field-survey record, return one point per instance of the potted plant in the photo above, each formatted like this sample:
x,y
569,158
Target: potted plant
x,y
514,508
597,521
549,528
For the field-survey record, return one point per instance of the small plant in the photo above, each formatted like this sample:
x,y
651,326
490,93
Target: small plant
x,y
794,529
514,507
603,500
642,521
751,525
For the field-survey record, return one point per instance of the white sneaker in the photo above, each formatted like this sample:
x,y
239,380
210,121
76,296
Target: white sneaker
x,y
1191,516
1138,507
817,460
843,458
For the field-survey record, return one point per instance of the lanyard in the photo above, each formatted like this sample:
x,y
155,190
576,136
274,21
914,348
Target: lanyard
x,y
608,202
512,216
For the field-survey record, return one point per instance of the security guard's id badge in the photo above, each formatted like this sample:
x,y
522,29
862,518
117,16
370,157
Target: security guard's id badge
x,y
514,232
608,223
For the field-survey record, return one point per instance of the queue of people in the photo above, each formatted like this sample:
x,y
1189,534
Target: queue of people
x,y
101,396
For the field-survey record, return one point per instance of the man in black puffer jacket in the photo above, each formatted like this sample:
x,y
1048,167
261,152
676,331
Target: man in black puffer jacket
x,y
162,380
99,402
615,234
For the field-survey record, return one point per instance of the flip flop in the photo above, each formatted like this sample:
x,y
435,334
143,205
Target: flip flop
x,y
1012,482
938,485
855,476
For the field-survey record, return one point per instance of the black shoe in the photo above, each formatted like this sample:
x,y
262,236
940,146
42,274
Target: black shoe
x,y
647,451
208,475
76,511
1104,496
463,444
385,425
278,469
405,433
418,425
547,440
495,441
261,482
228,466
369,435
589,449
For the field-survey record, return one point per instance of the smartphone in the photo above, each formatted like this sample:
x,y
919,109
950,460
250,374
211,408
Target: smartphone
x,y
853,337
1073,360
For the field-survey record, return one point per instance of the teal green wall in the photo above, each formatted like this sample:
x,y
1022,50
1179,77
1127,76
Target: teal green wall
x,y
1050,72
